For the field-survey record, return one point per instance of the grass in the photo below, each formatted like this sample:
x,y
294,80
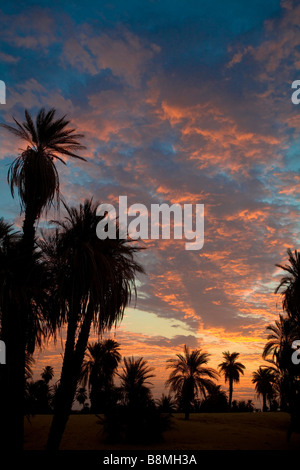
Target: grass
x,y
204,431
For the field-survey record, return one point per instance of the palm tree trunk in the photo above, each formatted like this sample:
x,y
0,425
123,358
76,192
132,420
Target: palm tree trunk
x,y
13,378
187,413
29,232
265,402
72,363
230,392
15,339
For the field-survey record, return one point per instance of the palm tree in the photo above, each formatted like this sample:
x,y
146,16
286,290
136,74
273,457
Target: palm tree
x,y
20,289
216,400
94,282
98,369
281,336
47,374
33,173
81,396
264,379
189,377
290,286
166,403
135,383
231,370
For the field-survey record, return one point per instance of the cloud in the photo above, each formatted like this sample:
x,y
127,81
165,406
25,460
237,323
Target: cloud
x,y
124,54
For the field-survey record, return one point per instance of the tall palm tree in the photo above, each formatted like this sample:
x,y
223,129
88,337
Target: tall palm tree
x,y
135,383
290,286
94,282
231,369
264,380
33,173
20,288
190,377
98,369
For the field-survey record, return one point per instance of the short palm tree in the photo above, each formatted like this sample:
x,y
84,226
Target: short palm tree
x,y
94,281
166,403
190,377
47,374
231,369
98,369
134,379
81,396
264,379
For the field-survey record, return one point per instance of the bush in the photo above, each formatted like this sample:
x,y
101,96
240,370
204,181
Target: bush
x,y
141,425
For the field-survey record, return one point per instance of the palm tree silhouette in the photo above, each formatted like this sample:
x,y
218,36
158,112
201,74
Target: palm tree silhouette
x,y
47,374
166,403
280,338
189,377
231,370
290,286
98,368
95,279
33,173
135,383
281,335
20,289
81,396
264,379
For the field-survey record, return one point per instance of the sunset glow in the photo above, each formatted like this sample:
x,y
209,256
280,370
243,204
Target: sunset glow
x,y
179,104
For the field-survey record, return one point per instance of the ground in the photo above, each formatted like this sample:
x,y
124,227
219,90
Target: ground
x,y
204,431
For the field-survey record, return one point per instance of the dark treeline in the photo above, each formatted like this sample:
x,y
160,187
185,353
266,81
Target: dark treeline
x,y
120,390
68,278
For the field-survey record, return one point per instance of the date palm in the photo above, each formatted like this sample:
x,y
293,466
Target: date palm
x,y
47,374
94,281
33,173
231,369
98,368
19,287
279,347
81,396
135,383
280,338
264,379
190,377
289,286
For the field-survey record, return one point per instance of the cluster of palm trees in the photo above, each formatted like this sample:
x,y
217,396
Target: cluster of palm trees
x,y
68,278
279,380
190,381
38,393
65,278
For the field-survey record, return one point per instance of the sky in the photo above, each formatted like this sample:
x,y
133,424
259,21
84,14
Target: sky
x,y
180,102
